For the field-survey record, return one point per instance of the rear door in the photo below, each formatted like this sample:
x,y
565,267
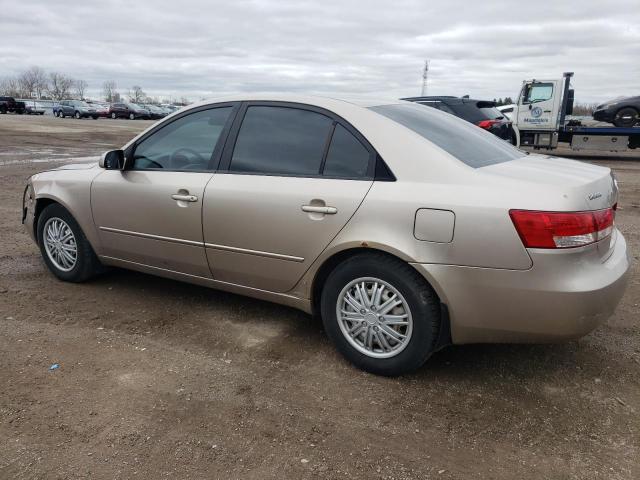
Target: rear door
x,y
291,177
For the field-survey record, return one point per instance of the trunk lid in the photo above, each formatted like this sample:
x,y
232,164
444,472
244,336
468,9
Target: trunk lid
x,y
588,187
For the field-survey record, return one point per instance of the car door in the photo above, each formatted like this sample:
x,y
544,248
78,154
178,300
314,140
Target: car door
x,y
150,213
536,106
280,196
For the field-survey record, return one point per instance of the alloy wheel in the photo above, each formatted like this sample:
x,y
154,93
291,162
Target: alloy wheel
x,y
374,317
60,244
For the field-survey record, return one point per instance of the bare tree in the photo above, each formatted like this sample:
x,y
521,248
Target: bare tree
x,y
10,86
33,82
136,94
109,90
80,86
59,86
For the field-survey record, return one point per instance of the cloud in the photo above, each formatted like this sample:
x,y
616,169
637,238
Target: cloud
x,y
203,48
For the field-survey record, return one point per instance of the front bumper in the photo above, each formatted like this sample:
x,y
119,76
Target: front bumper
x,y
604,115
563,296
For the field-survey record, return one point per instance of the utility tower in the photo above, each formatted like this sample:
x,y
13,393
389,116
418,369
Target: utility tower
x,y
425,74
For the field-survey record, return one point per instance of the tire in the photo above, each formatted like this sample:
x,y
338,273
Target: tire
x,y
132,116
60,114
626,117
419,308
85,264
113,115
77,115
95,117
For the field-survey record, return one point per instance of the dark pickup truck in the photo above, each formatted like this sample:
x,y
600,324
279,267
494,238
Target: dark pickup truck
x,y
9,104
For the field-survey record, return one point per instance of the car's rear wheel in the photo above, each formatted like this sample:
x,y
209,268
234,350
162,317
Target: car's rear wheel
x,y
64,247
132,116
626,117
113,115
60,114
381,314
77,115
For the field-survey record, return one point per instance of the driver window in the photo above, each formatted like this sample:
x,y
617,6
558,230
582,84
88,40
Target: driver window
x,y
538,92
184,144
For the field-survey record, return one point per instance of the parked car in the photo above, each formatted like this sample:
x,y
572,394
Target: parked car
x,y
482,113
128,110
507,110
33,108
76,108
622,112
102,108
155,112
405,228
10,104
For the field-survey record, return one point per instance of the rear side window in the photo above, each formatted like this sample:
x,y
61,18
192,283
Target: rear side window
x,y
347,157
281,141
183,144
464,141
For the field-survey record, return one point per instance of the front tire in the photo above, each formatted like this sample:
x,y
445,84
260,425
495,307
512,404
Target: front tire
x,y
78,116
626,117
113,115
381,314
64,247
132,116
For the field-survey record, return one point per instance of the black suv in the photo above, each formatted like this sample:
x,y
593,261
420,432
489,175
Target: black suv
x,y
479,112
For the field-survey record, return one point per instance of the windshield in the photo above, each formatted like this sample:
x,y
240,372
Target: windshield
x,y
464,141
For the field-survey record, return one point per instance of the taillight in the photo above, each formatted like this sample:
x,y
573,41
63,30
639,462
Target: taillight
x,y
487,124
562,229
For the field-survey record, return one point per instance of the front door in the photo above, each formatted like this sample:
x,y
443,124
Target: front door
x,y
151,213
291,178
537,106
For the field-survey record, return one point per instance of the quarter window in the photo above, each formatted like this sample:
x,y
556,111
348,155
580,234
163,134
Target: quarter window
x,y
281,140
184,144
347,157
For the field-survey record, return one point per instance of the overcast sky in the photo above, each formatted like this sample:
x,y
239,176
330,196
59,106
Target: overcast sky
x,y
206,48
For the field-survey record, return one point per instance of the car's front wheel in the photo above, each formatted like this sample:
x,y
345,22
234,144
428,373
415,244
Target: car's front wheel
x,y
132,116
381,314
64,247
626,117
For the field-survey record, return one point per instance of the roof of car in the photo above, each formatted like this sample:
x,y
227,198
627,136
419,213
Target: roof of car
x,y
362,101
445,98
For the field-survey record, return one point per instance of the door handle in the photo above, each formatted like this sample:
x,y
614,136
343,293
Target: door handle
x,y
184,198
318,209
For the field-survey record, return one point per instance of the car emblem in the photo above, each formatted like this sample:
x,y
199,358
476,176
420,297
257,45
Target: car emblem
x,y
593,196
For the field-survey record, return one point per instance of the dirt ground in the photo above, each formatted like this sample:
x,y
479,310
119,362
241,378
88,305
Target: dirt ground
x,y
160,379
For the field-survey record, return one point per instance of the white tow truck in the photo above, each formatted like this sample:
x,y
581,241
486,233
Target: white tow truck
x,y
540,121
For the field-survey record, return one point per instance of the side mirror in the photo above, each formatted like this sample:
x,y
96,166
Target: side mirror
x,y
570,100
112,160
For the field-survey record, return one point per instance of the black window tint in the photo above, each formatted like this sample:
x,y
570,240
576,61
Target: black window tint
x,y
347,157
462,140
184,144
280,140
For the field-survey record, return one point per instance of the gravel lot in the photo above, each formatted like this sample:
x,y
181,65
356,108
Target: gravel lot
x,y
160,379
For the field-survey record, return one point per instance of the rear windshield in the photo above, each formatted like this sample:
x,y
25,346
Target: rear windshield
x,y
466,142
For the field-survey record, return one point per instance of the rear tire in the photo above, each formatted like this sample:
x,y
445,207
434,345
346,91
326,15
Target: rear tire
x,y
113,115
626,117
64,247
78,116
132,116
375,348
